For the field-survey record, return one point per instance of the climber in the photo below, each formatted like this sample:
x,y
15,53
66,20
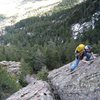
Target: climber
x,y
83,53
88,54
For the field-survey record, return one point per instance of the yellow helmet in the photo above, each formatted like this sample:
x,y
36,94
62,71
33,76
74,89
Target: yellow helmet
x,y
80,48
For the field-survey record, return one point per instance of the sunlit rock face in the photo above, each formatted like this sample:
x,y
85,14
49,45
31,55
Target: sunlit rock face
x,y
83,84
37,90
78,28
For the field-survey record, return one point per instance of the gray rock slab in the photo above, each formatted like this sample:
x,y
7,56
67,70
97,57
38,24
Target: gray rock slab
x,y
83,84
38,90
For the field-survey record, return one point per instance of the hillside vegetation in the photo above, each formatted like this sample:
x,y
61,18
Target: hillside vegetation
x,y
45,42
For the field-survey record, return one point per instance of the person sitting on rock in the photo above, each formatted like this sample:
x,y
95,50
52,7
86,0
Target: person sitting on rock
x,y
83,53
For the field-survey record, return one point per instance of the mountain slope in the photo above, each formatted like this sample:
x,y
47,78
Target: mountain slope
x,y
47,40
83,84
44,43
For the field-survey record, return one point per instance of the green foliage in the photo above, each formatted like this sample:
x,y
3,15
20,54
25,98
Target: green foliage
x,y
42,75
96,48
25,70
8,84
9,53
70,50
83,11
92,36
39,59
2,53
53,56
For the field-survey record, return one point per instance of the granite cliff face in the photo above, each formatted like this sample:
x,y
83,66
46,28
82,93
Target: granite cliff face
x,y
83,84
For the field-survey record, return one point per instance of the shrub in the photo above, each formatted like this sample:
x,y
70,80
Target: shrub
x,y
25,69
8,84
42,75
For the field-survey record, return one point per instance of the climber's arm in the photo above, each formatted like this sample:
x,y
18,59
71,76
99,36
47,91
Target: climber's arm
x,y
84,60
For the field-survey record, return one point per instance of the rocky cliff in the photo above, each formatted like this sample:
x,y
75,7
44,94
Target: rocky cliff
x,y
37,90
83,84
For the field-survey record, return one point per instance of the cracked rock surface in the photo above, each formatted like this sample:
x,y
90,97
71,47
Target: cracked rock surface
x,y
38,90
